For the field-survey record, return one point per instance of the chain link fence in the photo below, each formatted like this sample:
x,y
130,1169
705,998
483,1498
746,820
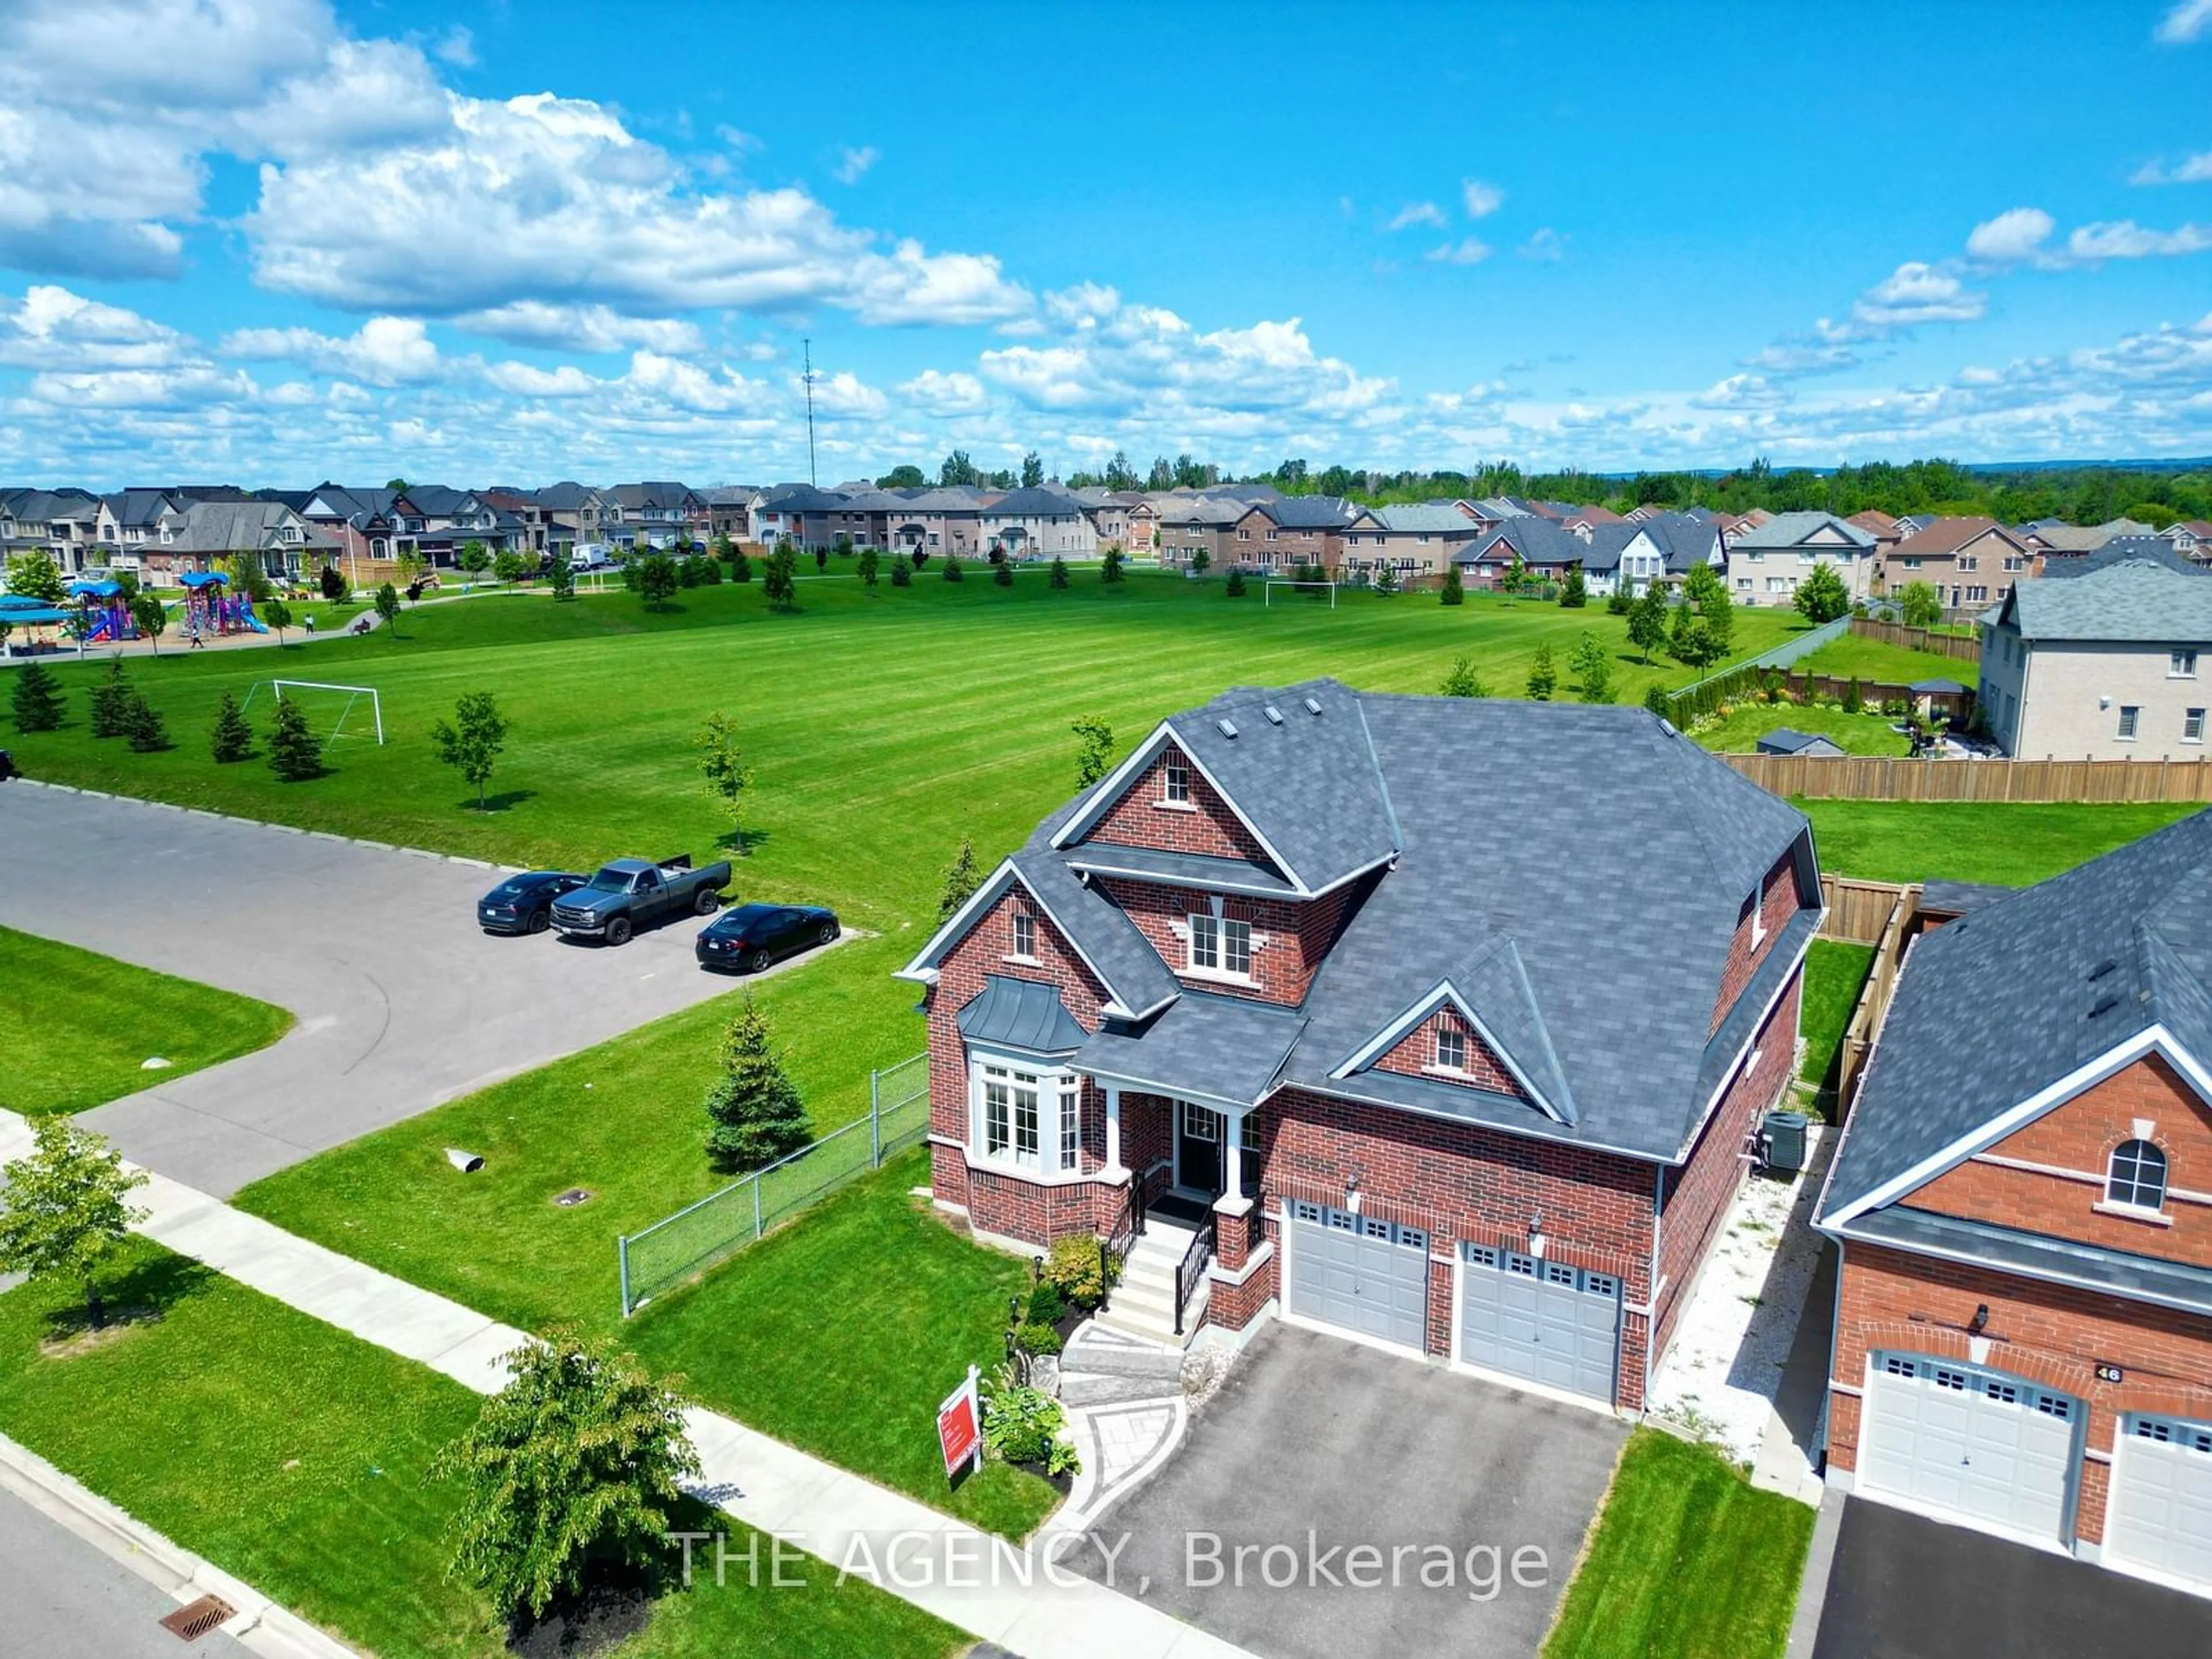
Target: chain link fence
x,y
683,1246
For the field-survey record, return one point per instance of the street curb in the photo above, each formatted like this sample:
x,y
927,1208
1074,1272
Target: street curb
x,y
1813,1590
264,823
271,1631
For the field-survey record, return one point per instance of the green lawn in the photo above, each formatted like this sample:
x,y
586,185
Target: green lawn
x,y
1835,972
1964,841
295,1456
843,1332
858,1300
1872,659
76,1028
1748,722
1689,1562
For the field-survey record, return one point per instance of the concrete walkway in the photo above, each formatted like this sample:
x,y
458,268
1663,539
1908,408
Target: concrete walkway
x,y
1024,1601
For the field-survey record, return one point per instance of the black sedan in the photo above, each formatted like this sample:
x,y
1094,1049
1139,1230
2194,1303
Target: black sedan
x,y
748,938
524,903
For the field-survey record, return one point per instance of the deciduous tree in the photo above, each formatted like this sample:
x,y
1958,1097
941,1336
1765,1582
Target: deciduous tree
x,y
656,580
65,1208
150,617
721,764
1593,669
576,1467
1647,620
470,742
278,615
1822,597
1920,605
1094,754
36,577
387,607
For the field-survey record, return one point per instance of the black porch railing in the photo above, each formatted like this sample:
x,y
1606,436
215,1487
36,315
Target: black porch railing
x,y
1192,1270
1114,1249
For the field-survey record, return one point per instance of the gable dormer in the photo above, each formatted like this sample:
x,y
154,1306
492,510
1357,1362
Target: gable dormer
x,y
1447,1047
1170,806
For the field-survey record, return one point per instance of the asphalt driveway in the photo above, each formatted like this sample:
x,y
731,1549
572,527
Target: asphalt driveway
x,y
1315,1446
1904,1587
402,1003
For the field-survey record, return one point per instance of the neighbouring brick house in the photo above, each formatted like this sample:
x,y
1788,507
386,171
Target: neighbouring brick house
x,y
2023,1198
1410,1081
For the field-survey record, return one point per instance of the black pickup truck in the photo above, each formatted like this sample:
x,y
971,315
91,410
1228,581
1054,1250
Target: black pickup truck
x,y
628,894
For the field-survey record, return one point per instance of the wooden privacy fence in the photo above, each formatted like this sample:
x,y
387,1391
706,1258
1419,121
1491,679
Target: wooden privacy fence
x,y
1894,777
1960,645
1857,911
1903,905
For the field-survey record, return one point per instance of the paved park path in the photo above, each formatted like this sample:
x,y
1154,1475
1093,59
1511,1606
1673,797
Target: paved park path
x,y
829,1512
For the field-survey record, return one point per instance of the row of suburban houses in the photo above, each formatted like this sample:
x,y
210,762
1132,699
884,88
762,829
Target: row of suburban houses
x,y
1971,562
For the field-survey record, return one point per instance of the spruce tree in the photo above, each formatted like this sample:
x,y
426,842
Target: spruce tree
x,y
37,698
1461,681
111,702
953,567
1576,594
149,733
1059,577
1455,588
1543,676
231,739
755,1110
741,568
294,756
902,572
1109,569
1234,588
1003,573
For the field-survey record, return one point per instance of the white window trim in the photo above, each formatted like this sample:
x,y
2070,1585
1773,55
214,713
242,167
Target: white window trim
x,y
2175,673
1054,1087
2131,1212
1187,932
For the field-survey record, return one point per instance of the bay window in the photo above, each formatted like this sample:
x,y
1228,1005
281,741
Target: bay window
x,y
1027,1115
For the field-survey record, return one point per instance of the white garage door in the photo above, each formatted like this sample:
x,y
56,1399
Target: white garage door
x,y
1970,1443
1361,1273
1547,1320
2161,1510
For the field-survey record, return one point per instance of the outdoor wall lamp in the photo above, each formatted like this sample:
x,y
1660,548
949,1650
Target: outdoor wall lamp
x,y
1536,1234
1980,1322
1352,1192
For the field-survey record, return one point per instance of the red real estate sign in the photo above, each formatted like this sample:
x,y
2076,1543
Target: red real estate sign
x,y
960,1427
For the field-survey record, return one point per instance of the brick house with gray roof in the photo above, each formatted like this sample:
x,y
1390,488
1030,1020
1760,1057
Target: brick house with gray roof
x,y
2023,1200
1269,984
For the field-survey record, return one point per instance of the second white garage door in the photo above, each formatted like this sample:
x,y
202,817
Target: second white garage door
x,y
2161,1511
1968,1442
1549,1321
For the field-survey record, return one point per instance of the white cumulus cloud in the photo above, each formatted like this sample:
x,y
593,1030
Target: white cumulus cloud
x,y
1468,251
1481,199
2185,22
2013,235
853,164
383,351
1417,213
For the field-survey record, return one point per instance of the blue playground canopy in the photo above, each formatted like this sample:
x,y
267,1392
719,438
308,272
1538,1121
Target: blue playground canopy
x,y
203,578
21,602
17,616
94,590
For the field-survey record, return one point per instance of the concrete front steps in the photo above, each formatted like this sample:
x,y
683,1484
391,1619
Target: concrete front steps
x,y
1104,1367
1143,1304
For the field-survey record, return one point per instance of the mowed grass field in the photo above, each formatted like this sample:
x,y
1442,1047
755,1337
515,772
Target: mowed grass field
x,y
882,725
76,1028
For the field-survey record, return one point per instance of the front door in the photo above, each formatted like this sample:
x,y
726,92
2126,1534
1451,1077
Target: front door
x,y
1198,1149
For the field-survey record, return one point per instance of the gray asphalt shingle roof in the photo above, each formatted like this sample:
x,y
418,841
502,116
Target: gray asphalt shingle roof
x,y
1427,518
1221,1048
2129,599
2138,1276
2027,988
1793,530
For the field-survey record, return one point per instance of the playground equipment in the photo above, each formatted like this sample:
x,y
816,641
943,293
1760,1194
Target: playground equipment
x,y
104,614
353,695
208,608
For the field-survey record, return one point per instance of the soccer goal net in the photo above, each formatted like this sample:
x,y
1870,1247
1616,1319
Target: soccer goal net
x,y
352,701
1310,587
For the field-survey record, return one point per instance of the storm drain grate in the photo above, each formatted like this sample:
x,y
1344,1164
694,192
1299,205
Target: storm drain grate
x,y
573,1197
195,1619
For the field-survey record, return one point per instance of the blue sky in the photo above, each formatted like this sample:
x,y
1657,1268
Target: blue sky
x,y
271,240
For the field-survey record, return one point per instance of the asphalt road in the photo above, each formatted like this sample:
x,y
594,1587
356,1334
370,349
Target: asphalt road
x,y
65,1599
1904,1587
1317,1445
402,1003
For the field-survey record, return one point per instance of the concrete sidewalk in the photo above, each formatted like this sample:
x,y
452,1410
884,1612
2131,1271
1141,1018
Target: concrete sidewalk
x,y
928,1558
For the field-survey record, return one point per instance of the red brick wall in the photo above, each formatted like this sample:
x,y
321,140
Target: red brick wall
x,y
1464,1181
1417,1053
1205,826
1296,934
2080,1136
999,1203
2048,1334
1697,1194
1777,902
